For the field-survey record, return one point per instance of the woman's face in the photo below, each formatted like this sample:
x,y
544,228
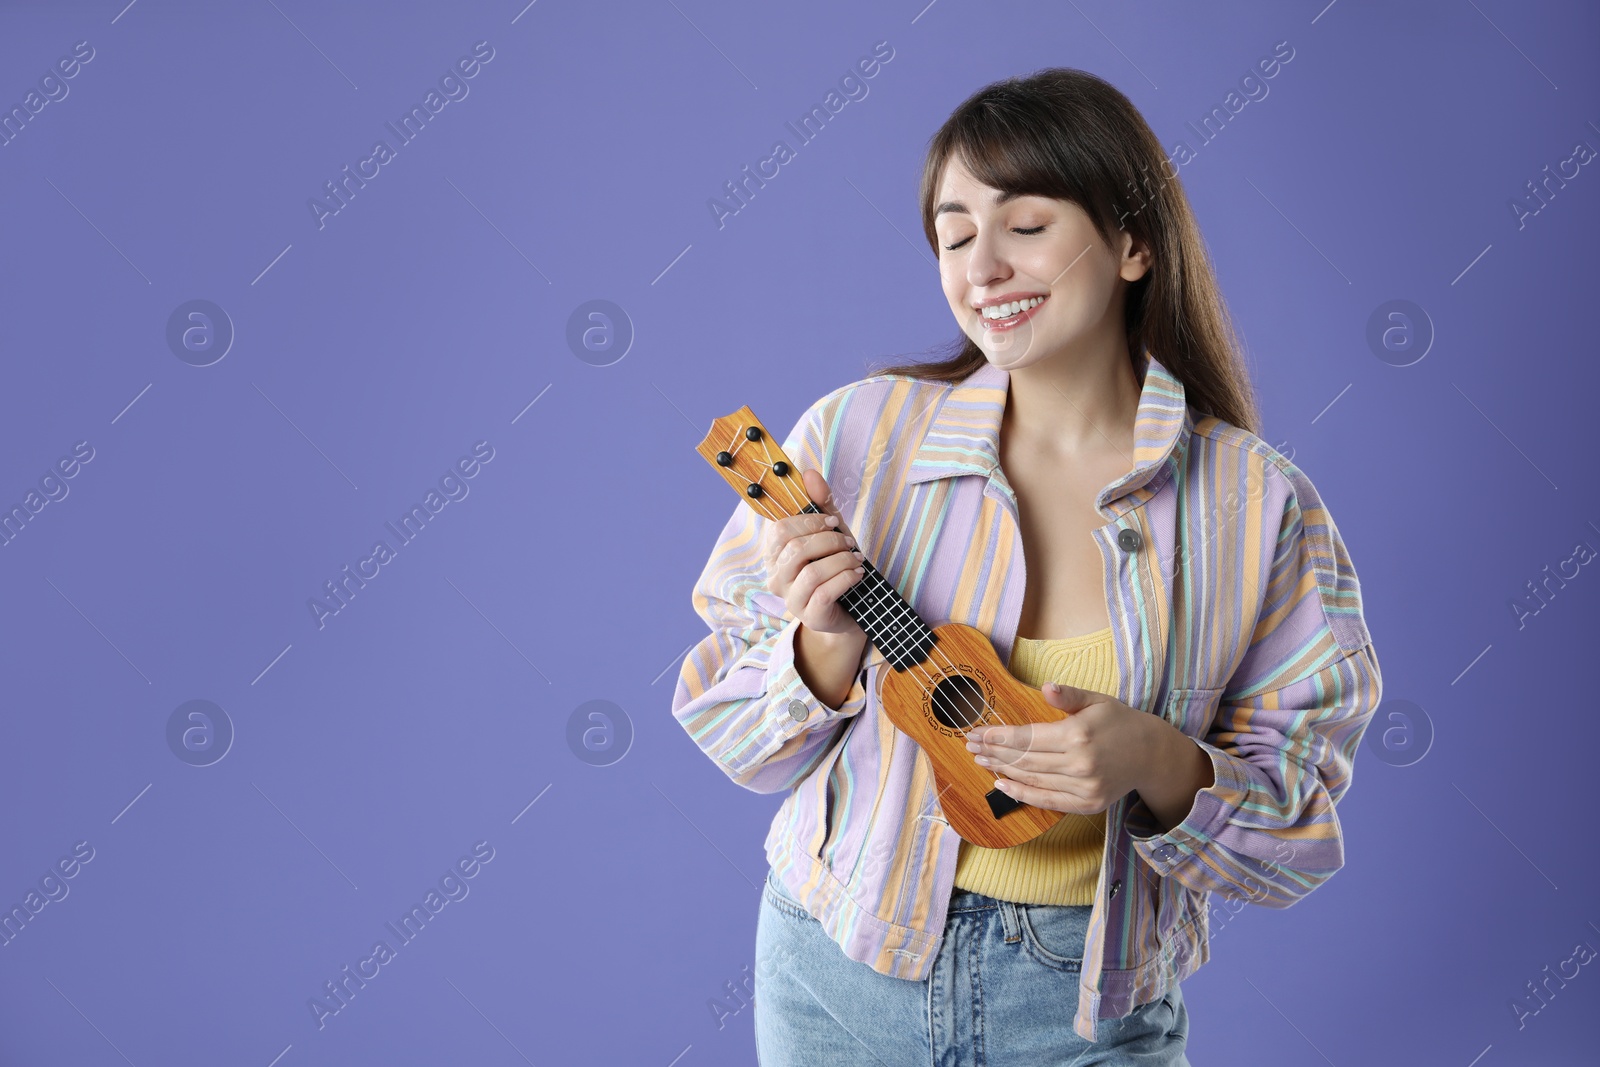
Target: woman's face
x,y
1035,250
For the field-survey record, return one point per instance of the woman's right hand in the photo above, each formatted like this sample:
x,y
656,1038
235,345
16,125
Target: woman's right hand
x,y
811,561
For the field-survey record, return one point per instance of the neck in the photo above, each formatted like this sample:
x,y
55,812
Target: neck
x,y
1074,404
883,614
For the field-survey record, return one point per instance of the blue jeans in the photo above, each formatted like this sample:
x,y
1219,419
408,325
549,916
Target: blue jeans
x,y
1002,992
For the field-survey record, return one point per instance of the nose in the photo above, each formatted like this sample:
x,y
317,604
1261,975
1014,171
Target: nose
x,y
985,266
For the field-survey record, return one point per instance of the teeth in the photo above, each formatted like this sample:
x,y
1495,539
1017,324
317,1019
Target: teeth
x,y
1005,311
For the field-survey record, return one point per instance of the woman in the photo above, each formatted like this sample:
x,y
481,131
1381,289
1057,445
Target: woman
x,y
1183,580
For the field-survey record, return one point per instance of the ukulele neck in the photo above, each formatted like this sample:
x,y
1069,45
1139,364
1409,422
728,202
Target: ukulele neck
x,y
883,614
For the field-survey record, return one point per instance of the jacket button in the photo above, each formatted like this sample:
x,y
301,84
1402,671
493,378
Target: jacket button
x,y
1128,538
1114,887
797,710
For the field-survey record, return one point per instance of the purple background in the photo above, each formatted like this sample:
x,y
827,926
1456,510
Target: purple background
x,y
432,310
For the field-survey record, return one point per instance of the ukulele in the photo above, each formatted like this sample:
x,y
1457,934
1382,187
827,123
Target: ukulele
x,y
946,680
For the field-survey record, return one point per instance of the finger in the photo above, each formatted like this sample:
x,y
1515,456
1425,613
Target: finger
x,y
821,495
1049,799
1010,760
810,548
1020,738
820,573
826,543
787,553
794,540
1069,698
831,590
1051,781
785,530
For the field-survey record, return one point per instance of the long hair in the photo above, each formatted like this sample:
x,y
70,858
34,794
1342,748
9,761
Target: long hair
x,y
1069,135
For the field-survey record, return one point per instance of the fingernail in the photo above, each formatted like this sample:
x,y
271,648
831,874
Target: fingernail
x,y
858,555
832,520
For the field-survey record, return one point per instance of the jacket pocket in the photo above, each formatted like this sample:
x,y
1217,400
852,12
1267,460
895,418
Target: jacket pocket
x,y
1192,710
1182,926
827,811
820,789
833,821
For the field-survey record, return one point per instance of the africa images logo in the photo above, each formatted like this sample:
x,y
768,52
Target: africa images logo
x,y
452,487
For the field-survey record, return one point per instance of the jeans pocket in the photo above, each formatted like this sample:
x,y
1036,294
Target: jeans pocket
x,y
1178,1021
777,896
1053,934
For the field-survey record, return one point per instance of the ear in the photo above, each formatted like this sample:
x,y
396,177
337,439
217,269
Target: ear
x,y
1136,257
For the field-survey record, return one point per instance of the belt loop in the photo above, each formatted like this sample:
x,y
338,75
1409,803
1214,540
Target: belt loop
x,y
1010,921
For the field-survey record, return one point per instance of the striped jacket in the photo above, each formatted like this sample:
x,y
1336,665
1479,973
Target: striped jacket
x,y
1237,617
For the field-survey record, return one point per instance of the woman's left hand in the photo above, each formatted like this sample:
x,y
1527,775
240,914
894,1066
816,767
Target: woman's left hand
x,y
1080,764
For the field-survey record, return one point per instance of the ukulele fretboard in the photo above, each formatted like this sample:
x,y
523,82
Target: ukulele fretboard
x,y
883,614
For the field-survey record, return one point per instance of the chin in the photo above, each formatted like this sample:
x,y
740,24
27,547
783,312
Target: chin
x,y
1011,352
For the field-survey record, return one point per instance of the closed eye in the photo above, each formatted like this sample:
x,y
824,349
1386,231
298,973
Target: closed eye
x,y
1027,232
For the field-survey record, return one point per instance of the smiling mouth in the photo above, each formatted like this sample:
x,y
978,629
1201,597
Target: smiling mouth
x,y
1005,316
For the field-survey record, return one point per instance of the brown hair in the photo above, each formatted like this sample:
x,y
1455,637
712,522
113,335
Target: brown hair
x,y
1069,135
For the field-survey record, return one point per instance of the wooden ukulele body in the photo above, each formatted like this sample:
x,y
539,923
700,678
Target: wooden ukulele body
x,y
969,681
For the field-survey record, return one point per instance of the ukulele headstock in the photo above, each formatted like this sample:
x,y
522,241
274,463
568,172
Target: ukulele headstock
x,y
751,460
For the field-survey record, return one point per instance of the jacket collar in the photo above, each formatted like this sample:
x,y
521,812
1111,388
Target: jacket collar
x,y
964,437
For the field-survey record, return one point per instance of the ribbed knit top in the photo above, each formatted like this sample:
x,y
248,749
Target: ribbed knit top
x,y
1061,865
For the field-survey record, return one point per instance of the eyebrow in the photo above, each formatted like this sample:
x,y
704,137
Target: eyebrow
x,y
960,208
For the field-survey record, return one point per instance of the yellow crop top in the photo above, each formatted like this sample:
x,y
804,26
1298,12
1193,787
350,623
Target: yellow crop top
x,y
1061,865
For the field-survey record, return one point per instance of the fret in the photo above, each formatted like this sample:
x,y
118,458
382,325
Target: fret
x,y
888,621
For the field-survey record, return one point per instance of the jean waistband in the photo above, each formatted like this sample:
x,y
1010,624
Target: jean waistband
x,y
972,900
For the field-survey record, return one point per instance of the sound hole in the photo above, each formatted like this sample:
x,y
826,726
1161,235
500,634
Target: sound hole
x,y
958,702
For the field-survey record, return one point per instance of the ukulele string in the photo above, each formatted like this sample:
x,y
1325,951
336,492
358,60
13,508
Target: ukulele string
x,y
981,718
980,714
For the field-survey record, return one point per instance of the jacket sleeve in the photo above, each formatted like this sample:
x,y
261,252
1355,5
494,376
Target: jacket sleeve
x,y
1283,741
739,696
